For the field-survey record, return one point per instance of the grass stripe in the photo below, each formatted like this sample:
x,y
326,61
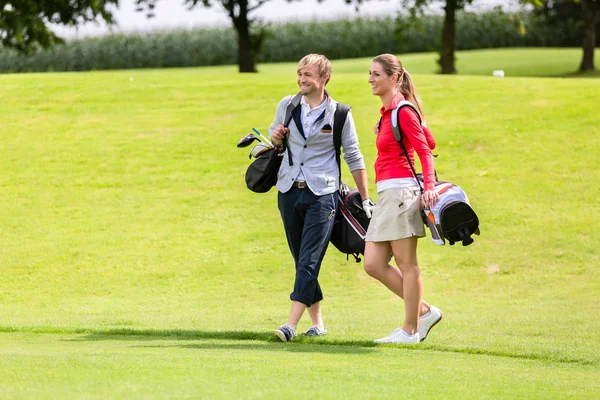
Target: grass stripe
x,y
176,334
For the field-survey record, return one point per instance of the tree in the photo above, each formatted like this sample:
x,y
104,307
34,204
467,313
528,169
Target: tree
x,y
24,23
584,12
250,32
249,42
591,15
448,34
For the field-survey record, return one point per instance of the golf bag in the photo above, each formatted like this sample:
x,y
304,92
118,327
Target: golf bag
x,y
261,174
452,218
351,223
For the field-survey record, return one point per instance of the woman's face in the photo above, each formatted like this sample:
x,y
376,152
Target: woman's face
x,y
381,82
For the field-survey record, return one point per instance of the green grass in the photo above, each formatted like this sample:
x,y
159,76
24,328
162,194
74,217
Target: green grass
x,y
135,263
75,367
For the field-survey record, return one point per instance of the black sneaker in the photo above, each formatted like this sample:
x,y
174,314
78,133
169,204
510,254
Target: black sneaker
x,y
315,331
286,333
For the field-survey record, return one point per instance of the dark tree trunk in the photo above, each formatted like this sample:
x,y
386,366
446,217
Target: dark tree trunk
x,y
589,9
245,53
242,27
448,39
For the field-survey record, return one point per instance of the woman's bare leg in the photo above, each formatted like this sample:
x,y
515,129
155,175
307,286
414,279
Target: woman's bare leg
x,y
405,255
377,255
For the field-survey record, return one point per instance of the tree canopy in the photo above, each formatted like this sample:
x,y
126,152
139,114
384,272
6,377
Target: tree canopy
x,y
24,24
586,12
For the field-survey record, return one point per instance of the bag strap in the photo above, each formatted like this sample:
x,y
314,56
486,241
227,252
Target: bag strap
x,y
290,107
288,118
339,119
398,134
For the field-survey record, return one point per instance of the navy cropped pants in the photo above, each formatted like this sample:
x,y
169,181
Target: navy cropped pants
x,y
308,222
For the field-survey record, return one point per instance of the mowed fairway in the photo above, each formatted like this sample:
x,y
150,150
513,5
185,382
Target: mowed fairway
x,y
135,263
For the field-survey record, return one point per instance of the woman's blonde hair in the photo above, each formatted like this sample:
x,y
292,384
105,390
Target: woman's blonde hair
x,y
392,66
320,61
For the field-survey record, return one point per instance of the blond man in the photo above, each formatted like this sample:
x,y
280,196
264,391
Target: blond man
x,y
307,183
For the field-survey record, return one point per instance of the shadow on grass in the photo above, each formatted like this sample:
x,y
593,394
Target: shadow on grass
x,y
268,339
590,74
156,334
307,346
301,344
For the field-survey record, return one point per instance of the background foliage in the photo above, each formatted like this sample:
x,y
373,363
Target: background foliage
x,y
353,38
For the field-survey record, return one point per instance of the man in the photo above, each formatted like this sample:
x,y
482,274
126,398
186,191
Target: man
x,y
308,181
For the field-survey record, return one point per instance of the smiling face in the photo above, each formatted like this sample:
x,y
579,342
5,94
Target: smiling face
x,y
381,82
310,81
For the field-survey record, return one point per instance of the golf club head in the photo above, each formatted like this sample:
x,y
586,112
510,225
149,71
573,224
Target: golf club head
x,y
247,140
259,149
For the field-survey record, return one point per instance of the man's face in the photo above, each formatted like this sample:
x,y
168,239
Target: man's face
x,y
309,80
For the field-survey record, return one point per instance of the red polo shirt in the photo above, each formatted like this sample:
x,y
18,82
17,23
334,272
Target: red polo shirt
x,y
391,162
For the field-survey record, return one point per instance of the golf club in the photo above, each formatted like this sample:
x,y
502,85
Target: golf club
x,y
247,140
262,137
259,149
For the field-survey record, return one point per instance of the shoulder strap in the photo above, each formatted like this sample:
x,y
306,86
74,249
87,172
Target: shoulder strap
x,y
398,134
396,120
288,117
290,107
339,119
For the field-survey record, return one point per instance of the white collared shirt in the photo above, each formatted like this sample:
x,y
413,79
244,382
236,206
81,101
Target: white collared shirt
x,y
308,117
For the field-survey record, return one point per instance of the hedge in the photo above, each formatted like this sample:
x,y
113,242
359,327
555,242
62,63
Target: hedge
x,y
350,38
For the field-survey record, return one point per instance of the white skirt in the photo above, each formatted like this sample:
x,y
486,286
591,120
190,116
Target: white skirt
x,y
397,215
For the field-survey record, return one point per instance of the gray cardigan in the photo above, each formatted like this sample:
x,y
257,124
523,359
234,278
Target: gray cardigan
x,y
315,155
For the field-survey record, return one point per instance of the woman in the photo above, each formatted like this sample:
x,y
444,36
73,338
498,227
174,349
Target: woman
x,y
396,223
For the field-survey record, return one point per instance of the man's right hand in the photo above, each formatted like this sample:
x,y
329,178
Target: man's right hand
x,y
279,133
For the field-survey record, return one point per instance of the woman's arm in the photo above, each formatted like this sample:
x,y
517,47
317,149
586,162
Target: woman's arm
x,y
412,130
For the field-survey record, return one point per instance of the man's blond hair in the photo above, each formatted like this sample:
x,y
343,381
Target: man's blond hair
x,y
318,60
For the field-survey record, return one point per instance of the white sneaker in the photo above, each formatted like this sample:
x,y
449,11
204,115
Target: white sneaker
x,y
399,336
428,321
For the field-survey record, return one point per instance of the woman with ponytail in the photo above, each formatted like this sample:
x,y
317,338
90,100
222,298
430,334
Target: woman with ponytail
x,y
396,223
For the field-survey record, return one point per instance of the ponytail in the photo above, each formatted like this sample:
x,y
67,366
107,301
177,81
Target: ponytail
x,y
407,88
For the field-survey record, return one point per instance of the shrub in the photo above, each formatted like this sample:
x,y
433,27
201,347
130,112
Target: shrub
x,y
349,38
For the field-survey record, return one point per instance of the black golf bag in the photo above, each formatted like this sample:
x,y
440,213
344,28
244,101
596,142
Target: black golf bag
x,y
261,174
351,223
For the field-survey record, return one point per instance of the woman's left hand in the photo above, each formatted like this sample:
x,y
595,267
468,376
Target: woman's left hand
x,y
429,199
